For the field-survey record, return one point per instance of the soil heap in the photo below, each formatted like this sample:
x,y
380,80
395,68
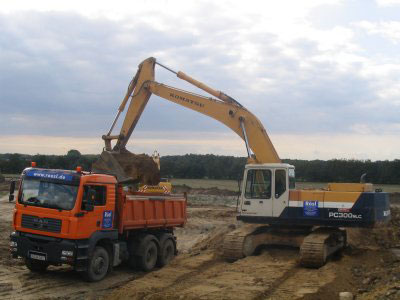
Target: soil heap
x,y
139,167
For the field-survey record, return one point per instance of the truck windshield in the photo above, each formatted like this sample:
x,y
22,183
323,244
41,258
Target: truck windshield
x,y
48,194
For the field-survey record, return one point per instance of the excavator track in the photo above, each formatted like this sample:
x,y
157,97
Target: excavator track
x,y
319,245
244,241
233,246
315,246
234,243
313,251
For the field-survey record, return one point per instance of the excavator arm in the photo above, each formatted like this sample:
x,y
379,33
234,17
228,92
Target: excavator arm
x,y
224,109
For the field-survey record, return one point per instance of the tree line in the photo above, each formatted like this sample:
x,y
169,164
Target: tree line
x,y
209,166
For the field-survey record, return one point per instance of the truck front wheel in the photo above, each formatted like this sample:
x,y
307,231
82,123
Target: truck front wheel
x,y
148,258
98,265
36,266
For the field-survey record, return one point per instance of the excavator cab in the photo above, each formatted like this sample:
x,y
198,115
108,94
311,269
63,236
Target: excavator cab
x,y
265,189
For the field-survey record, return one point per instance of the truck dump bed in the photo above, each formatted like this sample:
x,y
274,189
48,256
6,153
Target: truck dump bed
x,y
142,210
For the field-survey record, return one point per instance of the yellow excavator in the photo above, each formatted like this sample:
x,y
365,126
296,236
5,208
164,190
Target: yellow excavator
x,y
273,211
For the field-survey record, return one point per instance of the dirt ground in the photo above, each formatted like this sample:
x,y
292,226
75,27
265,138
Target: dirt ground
x,y
369,268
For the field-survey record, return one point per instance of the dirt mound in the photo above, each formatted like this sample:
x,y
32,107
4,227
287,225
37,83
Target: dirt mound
x,y
385,236
138,167
394,198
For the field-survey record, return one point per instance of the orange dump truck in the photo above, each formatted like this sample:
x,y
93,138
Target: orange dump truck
x,y
90,221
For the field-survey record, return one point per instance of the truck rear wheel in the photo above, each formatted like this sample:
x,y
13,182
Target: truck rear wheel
x,y
167,253
36,266
148,258
98,265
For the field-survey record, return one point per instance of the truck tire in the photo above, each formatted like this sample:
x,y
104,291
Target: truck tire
x,y
148,258
36,266
98,265
167,253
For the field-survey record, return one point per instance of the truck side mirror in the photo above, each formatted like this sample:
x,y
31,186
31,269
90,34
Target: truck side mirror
x,y
91,195
12,190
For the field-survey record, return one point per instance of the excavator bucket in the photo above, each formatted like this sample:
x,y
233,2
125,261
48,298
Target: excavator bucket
x,y
109,165
128,167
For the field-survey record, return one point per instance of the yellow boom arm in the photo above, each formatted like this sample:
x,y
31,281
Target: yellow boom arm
x,y
224,109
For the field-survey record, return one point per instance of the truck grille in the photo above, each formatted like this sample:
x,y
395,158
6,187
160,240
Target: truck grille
x,y
44,224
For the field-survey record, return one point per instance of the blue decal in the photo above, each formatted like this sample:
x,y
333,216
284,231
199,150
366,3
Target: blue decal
x,y
107,219
310,209
49,175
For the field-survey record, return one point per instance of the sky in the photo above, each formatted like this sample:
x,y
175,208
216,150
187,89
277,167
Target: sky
x,y
323,76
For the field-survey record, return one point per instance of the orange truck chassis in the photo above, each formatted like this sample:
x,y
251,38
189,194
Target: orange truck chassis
x,y
92,222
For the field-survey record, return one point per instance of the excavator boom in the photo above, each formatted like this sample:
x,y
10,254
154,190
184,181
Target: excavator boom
x,y
224,109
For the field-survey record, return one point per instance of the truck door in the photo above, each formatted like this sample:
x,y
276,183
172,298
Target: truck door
x,y
94,220
281,193
257,198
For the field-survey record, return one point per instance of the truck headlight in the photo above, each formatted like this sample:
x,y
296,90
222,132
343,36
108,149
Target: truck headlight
x,y
67,253
13,244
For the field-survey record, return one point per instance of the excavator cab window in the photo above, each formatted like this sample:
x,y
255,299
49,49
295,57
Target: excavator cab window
x,y
292,179
258,184
280,183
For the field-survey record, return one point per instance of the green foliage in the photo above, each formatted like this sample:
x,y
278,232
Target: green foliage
x,y
195,166
228,167
15,163
202,166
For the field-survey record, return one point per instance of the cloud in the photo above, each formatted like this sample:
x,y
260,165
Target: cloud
x,y
388,2
389,30
64,68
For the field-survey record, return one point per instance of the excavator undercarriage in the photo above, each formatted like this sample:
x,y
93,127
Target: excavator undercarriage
x,y
316,244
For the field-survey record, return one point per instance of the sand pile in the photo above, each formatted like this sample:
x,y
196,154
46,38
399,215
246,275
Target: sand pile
x,y
139,167
384,236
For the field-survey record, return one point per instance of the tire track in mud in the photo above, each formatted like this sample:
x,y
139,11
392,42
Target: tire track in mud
x,y
19,283
277,284
274,274
307,281
209,277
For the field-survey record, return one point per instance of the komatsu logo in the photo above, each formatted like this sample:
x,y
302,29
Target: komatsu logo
x,y
344,215
184,99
